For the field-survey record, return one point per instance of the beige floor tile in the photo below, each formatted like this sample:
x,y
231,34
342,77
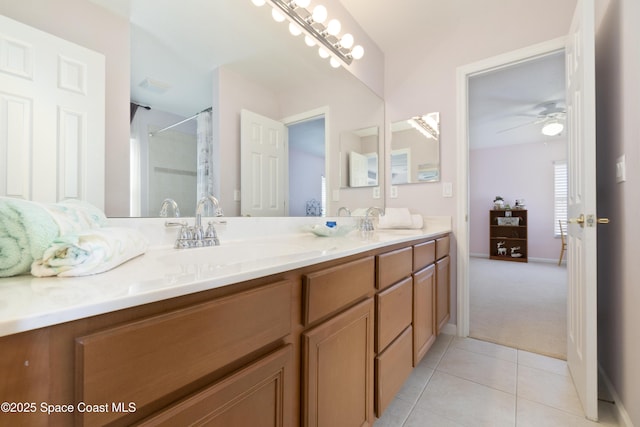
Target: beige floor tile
x,y
546,363
466,402
415,384
532,414
421,418
437,350
486,370
549,389
395,414
486,348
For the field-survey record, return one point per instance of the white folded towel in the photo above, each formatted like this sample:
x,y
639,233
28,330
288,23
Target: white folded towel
x,y
90,252
395,218
415,222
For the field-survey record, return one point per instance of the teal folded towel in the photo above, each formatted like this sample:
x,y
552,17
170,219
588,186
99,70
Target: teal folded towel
x,y
28,228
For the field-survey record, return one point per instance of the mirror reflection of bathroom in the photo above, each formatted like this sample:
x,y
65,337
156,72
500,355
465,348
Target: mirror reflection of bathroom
x,y
169,159
415,150
359,163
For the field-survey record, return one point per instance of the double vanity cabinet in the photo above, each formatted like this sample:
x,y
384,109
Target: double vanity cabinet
x,y
327,344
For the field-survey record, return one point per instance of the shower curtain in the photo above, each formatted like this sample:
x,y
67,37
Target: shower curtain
x,y
204,135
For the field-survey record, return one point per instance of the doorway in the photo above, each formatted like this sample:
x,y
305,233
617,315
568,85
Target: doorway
x,y
464,207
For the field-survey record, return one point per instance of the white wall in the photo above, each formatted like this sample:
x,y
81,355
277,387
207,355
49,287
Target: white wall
x,y
618,133
523,171
421,77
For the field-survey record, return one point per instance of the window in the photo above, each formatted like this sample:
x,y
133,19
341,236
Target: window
x,y
560,195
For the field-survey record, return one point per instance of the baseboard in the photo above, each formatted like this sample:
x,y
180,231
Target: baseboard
x,y
449,329
621,413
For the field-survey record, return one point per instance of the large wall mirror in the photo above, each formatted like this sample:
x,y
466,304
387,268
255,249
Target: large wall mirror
x,y
415,150
194,66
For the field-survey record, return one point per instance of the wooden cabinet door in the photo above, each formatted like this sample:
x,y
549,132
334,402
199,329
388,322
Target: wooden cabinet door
x,y
337,375
442,292
257,395
424,314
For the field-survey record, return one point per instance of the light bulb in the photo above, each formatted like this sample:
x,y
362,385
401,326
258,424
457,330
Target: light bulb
x,y
309,41
552,128
302,3
276,15
334,62
258,2
319,13
357,52
323,53
294,29
346,41
333,27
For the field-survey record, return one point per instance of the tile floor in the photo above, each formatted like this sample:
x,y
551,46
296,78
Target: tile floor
x,y
467,382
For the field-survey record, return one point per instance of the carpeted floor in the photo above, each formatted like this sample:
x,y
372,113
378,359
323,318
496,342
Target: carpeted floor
x,y
521,305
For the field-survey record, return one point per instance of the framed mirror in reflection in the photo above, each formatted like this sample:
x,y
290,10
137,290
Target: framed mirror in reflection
x,y
415,150
359,158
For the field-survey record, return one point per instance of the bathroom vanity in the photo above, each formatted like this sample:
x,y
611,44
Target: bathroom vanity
x,y
318,332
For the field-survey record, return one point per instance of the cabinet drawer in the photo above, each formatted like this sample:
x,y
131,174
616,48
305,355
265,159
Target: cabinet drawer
x,y
424,254
393,367
257,395
442,247
145,360
393,266
329,290
393,312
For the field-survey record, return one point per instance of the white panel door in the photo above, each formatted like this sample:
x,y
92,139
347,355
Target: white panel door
x,y
582,336
52,113
358,169
263,166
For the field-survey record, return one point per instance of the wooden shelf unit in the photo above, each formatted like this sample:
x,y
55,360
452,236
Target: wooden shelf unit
x,y
505,241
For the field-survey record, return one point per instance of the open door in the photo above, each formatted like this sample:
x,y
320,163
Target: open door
x,y
263,166
582,337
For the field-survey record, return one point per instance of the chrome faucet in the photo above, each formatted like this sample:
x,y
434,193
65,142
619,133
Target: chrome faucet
x,y
165,206
366,224
197,236
200,206
345,209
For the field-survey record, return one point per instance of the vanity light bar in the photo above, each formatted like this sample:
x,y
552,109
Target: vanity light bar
x,y
321,33
423,127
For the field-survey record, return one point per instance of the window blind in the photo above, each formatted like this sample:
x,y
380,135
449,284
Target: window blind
x,y
560,192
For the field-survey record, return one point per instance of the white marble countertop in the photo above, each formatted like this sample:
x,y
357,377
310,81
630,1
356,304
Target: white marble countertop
x,y
28,302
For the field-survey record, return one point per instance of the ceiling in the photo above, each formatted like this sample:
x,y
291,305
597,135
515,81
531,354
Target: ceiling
x,y
499,100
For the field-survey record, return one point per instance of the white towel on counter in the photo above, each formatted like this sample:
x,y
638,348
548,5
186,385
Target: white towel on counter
x,y
395,218
400,220
89,252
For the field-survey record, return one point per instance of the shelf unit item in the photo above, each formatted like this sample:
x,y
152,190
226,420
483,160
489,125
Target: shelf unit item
x,y
508,237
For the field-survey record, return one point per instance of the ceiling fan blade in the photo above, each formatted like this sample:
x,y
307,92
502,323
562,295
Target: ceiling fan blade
x,y
517,127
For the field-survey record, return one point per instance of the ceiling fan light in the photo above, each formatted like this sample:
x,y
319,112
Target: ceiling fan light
x,y
552,128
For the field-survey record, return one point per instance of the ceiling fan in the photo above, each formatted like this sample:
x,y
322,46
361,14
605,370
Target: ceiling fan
x,y
552,118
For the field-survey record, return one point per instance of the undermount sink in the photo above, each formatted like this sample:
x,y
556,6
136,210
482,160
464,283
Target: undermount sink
x,y
232,253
